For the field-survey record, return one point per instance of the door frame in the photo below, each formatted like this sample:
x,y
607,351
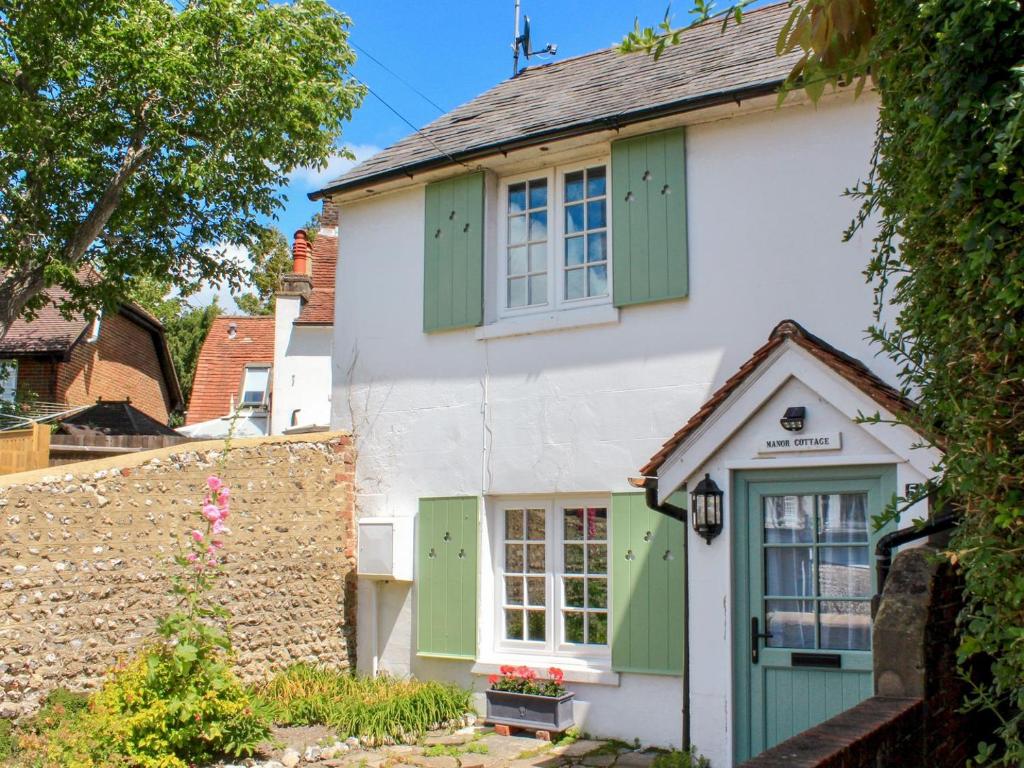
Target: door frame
x,y
741,480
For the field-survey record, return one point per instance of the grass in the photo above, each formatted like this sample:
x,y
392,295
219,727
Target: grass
x,y
377,710
679,759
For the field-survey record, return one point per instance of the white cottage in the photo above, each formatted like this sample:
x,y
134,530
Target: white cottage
x,y
535,292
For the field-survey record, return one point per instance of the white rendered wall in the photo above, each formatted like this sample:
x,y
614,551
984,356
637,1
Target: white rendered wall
x,y
580,410
302,369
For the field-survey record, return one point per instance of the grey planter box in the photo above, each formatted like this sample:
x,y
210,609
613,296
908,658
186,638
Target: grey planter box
x,y
527,711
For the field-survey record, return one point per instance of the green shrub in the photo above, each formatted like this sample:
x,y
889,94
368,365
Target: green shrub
x,y
60,705
378,710
6,739
681,759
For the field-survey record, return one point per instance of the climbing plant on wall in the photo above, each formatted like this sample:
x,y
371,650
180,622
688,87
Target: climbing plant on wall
x,y
946,193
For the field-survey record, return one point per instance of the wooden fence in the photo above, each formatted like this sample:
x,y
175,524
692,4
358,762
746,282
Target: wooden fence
x,y
68,449
24,449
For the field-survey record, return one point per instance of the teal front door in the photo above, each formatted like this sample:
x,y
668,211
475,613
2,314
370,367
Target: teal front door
x,y
804,578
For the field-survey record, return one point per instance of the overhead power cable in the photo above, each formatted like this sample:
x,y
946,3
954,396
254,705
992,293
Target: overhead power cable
x,y
399,78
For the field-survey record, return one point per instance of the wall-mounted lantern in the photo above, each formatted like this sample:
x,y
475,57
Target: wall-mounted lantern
x,y
706,501
794,418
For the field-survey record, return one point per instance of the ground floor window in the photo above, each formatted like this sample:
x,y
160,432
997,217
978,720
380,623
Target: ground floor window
x,y
551,569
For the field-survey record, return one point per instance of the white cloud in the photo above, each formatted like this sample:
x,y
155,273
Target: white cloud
x,y
306,179
205,295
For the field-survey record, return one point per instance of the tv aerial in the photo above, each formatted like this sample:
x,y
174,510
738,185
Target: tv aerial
x,y
521,43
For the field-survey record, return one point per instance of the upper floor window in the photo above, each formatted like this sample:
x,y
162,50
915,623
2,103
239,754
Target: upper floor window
x,y
255,386
554,239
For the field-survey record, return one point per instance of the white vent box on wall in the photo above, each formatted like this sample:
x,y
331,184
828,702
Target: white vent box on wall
x,y
385,548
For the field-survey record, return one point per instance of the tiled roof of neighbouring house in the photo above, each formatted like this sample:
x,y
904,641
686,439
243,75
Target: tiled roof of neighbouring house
x,y
222,360
113,417
51,334
319,308
851,369
599,90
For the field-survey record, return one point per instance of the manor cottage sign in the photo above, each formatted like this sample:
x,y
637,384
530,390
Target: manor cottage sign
x,y
824,441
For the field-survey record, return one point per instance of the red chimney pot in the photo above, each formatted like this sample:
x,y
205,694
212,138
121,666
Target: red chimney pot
x,y
300,253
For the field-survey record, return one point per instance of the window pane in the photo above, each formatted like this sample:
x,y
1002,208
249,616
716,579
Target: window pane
x,y
574,627
535,525
598,629
573,251
844,572
513,590
595,214
573,524
254,386
597,558
539,225
574,218
535,591
535,559
517,261
513,625
517,197
574,558
574,284
596,246
597,523
539,257
846,626
597,280
573,186
574,593
536,625
788,519
513,524
843,517
595,182
539,193
514,562
517,292
597,593
789,571
538,289
790,622
517,230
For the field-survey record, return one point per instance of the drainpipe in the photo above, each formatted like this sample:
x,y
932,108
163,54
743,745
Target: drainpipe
x,y
677,513
883,550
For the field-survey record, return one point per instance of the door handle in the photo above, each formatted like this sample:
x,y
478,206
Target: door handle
x,y
755,640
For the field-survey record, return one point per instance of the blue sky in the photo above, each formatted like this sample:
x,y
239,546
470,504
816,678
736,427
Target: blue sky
x,y
451,51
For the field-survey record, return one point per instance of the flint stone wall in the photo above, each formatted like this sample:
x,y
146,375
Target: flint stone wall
x,y
86,549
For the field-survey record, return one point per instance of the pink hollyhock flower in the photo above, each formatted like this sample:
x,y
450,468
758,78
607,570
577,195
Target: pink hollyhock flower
x,y
211,560
217,543
191,557
219,527
197,535
211,513
224,494
214,483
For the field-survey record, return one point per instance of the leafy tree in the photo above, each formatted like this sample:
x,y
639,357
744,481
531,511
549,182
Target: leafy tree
x,y
270,259
945,190
145,137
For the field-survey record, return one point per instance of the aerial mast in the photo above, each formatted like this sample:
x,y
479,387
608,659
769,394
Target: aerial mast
x,y
521,42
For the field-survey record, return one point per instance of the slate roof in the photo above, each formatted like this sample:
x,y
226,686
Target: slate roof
x,y
599,90
222,361
851,369
113,417
319,307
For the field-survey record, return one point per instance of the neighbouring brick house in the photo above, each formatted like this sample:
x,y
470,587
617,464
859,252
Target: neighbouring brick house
x,y
77,361
232,374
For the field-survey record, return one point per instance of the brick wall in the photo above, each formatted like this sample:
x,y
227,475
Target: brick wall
x,y
913,721
37,378
84,553
122,363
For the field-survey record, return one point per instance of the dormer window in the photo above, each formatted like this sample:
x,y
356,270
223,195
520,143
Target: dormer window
x,y
255,386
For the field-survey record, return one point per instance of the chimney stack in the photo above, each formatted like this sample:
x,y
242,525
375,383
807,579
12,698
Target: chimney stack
x,y
329,219
301,264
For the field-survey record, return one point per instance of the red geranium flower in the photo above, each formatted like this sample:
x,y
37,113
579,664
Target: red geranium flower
x,y
556,674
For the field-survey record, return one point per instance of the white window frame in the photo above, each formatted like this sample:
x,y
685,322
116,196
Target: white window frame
x,y
266,390
555,177
552,648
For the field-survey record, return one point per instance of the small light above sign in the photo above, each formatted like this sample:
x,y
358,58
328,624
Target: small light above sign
x,y
790,443
793,420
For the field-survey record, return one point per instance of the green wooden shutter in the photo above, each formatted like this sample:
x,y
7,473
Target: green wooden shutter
x,y
446,557
453,253
648,573
649,249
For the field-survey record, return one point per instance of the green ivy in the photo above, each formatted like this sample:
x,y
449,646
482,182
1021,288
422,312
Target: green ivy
x,y
947,193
